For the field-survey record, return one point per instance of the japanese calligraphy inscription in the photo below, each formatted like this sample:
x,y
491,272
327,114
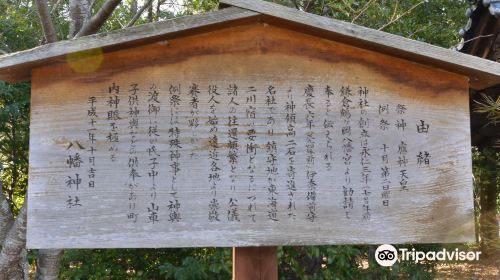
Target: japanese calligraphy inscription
x,y
246,136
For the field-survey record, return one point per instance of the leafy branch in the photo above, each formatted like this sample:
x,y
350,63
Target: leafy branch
x,y
395,19
487,105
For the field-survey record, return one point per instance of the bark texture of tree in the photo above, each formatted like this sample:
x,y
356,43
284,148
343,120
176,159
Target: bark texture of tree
x,y
133,7
12,253
139,13
93,25
150,13
6,219
48,27
79,13
47,265
19,265
23,263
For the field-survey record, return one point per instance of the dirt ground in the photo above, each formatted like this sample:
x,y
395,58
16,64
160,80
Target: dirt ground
x,y
482,270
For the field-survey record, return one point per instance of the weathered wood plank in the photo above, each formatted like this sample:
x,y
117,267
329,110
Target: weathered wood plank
x,y
17,66
285,197
482,73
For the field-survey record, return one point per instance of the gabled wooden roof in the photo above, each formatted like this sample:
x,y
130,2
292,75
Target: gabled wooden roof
x,y
482,73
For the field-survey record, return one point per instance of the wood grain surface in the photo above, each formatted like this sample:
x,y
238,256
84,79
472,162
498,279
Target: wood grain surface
x,y
430,201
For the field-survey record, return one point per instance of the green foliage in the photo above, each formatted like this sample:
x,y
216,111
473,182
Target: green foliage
x,y
319,262
489,106
434,22
348,262
197,263
485,167
304,262
195,6
14,139
203,263
431,21
19,26
113,263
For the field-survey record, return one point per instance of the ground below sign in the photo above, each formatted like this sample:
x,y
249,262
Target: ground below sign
x,y
252,135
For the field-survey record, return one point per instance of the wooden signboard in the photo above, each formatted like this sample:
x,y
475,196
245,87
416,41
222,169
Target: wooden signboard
x,y
247,136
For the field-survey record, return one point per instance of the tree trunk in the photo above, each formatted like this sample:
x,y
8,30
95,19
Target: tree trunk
x,y
24,264
79,14
13,181
47,26
139,13
6,219
93,25
150,13
20,267
47,265
488,203
133,7
158,10
11,255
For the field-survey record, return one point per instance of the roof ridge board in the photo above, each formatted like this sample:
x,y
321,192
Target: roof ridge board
x,y
129,35
369,36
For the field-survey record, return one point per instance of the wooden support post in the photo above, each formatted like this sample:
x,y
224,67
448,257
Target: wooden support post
x,y
255,263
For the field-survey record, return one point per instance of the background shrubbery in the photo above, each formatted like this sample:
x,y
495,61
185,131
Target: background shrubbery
x,y
435,22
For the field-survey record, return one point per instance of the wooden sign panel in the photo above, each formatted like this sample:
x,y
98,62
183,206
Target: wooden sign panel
x,y
253,135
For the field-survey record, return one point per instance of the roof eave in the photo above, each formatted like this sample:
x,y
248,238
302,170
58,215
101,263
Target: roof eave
x,y
481,72
16,67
